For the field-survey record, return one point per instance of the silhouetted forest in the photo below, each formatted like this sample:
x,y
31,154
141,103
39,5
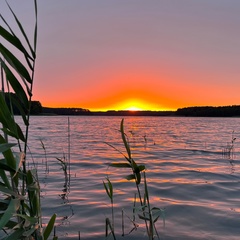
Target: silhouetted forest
x,y
65,111
208,111
225,111
36,106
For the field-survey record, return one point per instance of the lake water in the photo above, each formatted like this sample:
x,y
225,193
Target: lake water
x,y
188,176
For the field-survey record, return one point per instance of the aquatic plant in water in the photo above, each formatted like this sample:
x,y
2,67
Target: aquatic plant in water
x,y
228,150
145,212
20,208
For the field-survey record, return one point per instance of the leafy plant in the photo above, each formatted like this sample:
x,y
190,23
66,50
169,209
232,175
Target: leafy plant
x,y
228,150
109,190
20,209
146,213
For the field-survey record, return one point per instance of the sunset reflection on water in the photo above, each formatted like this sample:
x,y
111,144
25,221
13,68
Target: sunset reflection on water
x,y
187,174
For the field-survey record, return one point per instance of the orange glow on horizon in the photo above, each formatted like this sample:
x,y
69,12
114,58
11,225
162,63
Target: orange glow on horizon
x,y
129,105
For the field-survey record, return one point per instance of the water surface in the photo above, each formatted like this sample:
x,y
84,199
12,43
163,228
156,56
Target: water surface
x,y
187,174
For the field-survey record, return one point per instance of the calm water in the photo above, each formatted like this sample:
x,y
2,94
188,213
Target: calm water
x,y
187,174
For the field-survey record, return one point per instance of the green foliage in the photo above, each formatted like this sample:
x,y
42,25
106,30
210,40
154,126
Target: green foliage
x,y
145,212
20,210
109,189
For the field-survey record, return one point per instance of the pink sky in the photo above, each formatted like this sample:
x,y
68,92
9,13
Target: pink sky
x,y
122,54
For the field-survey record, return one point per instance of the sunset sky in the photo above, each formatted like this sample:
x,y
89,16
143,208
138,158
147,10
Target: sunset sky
x,y
134,54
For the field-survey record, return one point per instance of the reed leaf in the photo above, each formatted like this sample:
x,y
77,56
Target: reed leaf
x,y
22,110
15,132
32,220
14,40
20,158
109,188
4,178
130,177
17,234
29,232
22,31
5,146
9,192
47,231
121,165
143,218
36,28
138,178
33,189
4,166
141,167
3,205
10,160
5,115
15,63
16,86
125,140
12,208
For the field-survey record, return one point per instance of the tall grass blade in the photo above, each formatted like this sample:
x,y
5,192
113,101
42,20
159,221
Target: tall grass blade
x,y
120,165
14,40
4,178
36,28
15,63
17,234
49,228
5,146
12,208
125,140
10,192
23,32
17,87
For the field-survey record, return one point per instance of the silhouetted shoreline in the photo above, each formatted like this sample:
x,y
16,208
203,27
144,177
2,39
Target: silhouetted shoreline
x,y
204,111
207,111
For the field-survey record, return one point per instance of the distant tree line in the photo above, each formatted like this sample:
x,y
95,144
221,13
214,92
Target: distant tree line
x,y
38,109
224,111
133,113
65,111
13,101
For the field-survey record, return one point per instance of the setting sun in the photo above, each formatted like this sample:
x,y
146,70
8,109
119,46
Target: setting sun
x,y
133,105
133,109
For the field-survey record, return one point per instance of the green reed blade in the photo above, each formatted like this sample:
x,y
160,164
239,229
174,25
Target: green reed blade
x,y
28,233
23,111
5,115
17,87
143,218
15,133
4,166
15,63
31,220
125,140
6,146
4,178
36,28
22,31
109,188
130,177
47,231
10,192
10,160
20,158
14,40
141,167
17,234
12,208
120,165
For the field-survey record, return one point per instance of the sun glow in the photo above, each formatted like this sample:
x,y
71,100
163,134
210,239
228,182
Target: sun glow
x,y
133,105
133,109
